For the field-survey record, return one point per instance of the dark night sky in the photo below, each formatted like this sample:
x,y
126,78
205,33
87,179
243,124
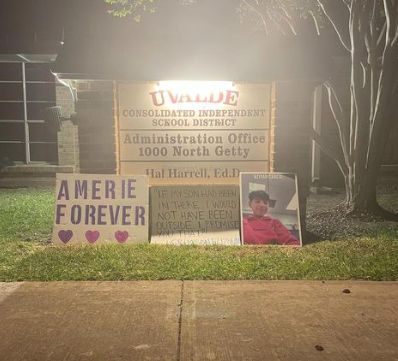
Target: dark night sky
x,y
47,17
201,40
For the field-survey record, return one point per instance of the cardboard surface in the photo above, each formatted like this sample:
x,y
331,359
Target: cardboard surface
x,y
100,208
203,215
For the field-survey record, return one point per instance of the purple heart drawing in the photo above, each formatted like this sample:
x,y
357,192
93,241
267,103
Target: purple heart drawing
x,y
121,236
92,236
65,236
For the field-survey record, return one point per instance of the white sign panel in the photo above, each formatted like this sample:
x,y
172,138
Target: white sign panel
x,y
194,132
100,209
203,215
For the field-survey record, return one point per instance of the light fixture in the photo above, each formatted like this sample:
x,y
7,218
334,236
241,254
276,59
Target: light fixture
x,y
188,86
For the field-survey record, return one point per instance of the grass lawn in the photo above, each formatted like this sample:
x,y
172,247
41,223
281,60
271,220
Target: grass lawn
x,y
369,252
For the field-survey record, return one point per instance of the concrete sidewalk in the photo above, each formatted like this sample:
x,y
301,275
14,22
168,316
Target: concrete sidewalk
x,y
199,320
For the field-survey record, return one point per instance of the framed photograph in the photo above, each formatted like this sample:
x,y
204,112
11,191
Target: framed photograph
x,y
270,209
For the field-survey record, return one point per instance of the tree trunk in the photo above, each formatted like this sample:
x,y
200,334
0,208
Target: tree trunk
x,y
361,194
372,112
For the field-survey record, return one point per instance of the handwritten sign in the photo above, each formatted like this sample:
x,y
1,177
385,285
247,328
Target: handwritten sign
x,y
202,215
100,209
194,134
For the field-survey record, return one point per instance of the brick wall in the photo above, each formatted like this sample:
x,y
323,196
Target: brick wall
x,y
96,118
68,142
64,100
68,145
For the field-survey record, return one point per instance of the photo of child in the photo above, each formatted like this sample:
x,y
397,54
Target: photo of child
x,y
269,209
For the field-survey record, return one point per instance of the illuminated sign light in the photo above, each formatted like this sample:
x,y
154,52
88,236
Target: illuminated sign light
x,y
188,85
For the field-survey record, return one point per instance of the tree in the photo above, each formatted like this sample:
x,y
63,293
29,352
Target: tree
x,y
123,8
368,30
135,8
370,35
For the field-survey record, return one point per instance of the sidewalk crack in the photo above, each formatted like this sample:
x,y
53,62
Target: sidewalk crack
x,y
180,323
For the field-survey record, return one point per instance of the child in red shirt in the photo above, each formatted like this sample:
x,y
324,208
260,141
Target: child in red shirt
x,y
261,229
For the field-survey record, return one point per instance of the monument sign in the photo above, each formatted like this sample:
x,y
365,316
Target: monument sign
x,y
193,132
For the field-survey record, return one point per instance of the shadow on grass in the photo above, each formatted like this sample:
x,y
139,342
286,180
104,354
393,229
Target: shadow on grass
x,y
310,238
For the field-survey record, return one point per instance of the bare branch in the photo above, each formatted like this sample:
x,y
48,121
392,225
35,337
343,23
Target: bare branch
x,y
338,115
390,9
286,12
347,3
288,19
253,8
382,34
276,23
289,24
330,151
360,27
335,105
358,76
369,46
394,105
336,10
372,57
395,40
317,27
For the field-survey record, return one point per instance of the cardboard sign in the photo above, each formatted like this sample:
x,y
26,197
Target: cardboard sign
x,y
194,133
203,215
270,209
100,209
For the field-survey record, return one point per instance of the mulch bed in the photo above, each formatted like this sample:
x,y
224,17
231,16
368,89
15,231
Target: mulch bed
x,y
327,217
